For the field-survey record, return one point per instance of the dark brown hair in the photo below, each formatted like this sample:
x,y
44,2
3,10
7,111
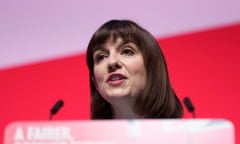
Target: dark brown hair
x,y
159,99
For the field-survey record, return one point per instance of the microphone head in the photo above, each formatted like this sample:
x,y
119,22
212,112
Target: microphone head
x,y
188,104
57,106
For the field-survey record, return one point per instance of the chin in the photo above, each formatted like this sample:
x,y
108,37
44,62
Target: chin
x,y
116,95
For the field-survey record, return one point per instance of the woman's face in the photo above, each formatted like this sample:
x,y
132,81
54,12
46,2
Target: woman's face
x,y
119,70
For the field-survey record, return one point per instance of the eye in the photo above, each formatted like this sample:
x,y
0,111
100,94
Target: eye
x,y
99,57
127,52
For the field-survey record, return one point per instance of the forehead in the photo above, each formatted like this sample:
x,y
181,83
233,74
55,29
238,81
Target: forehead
x,y
113,42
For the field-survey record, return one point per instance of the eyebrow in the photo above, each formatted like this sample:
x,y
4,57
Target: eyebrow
x,y
123,43
101,48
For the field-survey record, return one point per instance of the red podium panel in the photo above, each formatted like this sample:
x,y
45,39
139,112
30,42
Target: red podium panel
x,y
184,131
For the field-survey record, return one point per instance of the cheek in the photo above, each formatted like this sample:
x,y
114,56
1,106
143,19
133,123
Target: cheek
x,y
137,67
98,75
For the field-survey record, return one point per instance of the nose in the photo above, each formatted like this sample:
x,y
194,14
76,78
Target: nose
x,y
113,64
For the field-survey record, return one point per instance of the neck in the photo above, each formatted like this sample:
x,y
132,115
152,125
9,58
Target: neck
x,y
123,110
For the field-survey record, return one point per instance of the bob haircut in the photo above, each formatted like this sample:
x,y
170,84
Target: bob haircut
x,y
158,99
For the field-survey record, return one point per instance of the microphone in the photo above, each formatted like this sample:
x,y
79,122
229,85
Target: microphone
x,y
189,106
56,108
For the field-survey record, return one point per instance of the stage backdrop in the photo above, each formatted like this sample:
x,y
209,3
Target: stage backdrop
x,y
43,43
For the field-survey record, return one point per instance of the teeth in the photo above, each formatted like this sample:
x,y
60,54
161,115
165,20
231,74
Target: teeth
x,y
114,78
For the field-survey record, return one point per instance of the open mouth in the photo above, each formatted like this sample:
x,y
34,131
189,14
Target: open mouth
x,y
116,79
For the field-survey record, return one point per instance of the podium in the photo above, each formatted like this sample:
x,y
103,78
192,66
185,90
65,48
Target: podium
x,y
145,131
